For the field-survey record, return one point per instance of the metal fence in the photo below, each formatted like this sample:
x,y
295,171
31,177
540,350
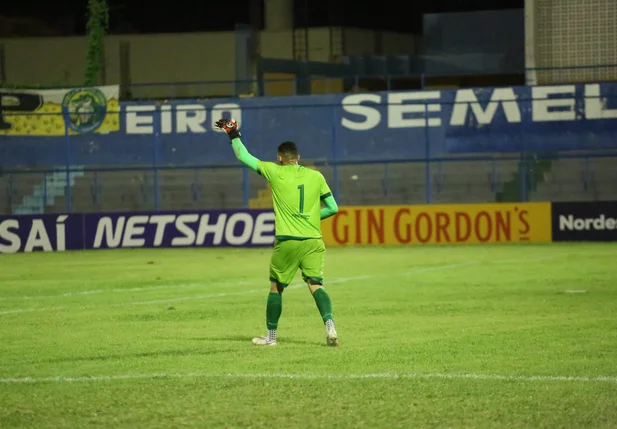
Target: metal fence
x,y
443,149
516,177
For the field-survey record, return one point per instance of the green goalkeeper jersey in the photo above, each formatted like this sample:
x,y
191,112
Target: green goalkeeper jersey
x,y
297,193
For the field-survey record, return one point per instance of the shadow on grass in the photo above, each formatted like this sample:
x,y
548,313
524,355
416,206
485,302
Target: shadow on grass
x,y
247,340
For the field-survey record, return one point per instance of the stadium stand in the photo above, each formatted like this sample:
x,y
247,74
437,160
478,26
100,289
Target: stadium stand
x,y
224,188
451,181
579,179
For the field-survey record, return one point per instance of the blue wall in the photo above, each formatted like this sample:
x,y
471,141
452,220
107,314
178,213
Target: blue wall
x,y
346,127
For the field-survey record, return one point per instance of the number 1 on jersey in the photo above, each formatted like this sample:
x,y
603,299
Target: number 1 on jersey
x,y
301,188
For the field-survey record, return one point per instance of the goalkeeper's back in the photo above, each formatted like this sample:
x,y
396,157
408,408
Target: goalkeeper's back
x,y
297,193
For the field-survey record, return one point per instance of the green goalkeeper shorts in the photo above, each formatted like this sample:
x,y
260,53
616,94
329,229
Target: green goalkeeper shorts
x,y
289,255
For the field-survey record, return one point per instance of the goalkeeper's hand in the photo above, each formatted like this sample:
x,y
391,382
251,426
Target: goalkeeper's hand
x,y
230,126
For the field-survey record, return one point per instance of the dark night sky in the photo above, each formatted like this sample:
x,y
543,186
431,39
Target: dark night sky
x,y
141,16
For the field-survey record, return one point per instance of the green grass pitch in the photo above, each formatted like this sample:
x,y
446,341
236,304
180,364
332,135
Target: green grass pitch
x,y
519,336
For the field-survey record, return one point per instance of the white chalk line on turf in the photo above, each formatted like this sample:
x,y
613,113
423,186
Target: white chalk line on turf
x,y
383,376
295,286
245,282
30,310
247,292
417,270
226,284
124,290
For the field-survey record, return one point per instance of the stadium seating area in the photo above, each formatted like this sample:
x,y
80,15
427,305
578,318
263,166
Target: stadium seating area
x,y
579,179
454,181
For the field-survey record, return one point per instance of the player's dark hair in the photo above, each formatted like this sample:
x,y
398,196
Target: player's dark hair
x,y
288,150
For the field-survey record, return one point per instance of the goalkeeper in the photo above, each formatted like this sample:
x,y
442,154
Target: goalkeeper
x,y
297,194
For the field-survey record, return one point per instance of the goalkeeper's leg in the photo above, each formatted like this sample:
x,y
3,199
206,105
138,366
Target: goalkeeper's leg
x,y
324,305
312,266
274,308
283,268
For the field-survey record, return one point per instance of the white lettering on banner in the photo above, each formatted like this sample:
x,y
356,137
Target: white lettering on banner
x,y
599,223
543,107
190,230
105,228
352,104
8,233
61,232
161,221
206,228
166,119
547,104
247,229
188,234
397,110
595,107
135,228
37,236
177,119
189,118
139,124
263,226
466,99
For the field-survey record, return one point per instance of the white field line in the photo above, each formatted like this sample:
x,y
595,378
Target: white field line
x,y
245,282
30,310
246,292
295,286
206,296
226,284
122,290
382,376
418,270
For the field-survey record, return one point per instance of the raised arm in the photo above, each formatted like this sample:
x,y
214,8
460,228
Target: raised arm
x,y
230,126
243,154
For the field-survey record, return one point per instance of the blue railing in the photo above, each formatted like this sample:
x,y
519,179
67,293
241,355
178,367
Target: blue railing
x,y
514,178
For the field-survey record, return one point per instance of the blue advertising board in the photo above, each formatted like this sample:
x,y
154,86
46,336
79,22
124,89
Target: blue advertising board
x,y
343,127
87,231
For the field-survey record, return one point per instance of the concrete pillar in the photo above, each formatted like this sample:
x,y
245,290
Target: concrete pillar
x,y
531,77
278,15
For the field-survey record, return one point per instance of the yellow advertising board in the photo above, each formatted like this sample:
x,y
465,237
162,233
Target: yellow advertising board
x,y
439,224
56,112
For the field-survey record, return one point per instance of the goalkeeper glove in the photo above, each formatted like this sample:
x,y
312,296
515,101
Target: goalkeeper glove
x,y
230,126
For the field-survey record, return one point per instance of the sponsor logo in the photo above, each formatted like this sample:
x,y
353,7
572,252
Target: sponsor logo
x,y
29,235
419,109
84,110
184,230
600,223
447,224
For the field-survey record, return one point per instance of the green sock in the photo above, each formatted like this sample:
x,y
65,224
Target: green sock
x,y
322,299
273,310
